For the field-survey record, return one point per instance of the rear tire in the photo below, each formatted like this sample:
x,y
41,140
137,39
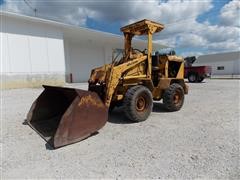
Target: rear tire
x,y
173,97
111,108
138,103
192,77
200,79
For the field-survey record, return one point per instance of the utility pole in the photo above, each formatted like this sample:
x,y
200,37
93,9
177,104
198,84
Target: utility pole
x,y
35,12
31,7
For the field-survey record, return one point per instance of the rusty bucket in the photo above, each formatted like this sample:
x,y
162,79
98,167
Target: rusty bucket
x,y
64,116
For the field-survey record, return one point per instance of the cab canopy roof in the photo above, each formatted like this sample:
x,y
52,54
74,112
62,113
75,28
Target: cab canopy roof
x,y
142,27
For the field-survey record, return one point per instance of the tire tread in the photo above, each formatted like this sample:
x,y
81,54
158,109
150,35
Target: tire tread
x,y
128,105
168,99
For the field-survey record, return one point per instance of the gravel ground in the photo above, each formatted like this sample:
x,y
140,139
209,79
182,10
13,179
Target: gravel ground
x,y
199,141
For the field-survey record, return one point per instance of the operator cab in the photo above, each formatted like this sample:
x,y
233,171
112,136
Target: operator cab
x,y
159,62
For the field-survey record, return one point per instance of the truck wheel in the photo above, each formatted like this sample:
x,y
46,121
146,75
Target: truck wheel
x,y
138,103
200,79
173,97
192,77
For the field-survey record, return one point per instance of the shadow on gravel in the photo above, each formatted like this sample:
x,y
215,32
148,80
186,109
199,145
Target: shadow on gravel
x,y
159,108
117,115
50,147
195,82
49,143
24,122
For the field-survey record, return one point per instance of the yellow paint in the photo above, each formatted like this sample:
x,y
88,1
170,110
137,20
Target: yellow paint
x,y
136,67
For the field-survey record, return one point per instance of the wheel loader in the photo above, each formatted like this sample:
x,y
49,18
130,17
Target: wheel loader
x,y
64,115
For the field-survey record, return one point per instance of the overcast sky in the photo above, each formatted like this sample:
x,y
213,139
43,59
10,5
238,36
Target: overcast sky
x,y
192,27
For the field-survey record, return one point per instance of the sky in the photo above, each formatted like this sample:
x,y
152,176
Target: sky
x,y
192,27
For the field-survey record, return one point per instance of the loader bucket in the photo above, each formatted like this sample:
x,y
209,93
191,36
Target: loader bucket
x,y
64,116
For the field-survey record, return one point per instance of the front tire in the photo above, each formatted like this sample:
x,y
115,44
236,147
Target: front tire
x,y
173,97
138,103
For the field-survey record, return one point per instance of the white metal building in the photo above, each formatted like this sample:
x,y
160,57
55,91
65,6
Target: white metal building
x,y
37,51
223,64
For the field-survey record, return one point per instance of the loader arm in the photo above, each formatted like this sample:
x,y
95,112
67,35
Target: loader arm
x,y
64,115
116,75
144,27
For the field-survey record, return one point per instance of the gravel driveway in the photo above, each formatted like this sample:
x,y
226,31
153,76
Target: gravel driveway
x,y
199,141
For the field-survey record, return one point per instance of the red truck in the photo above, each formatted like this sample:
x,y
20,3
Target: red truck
x,y
195,73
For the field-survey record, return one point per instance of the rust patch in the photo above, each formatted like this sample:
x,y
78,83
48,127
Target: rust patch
x,y
89,100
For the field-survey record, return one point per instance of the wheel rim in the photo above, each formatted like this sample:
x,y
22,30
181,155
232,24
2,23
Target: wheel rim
x,y
192,77
177,97
141,104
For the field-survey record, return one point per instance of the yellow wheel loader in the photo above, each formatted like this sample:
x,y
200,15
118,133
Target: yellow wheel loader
x,y
66,115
